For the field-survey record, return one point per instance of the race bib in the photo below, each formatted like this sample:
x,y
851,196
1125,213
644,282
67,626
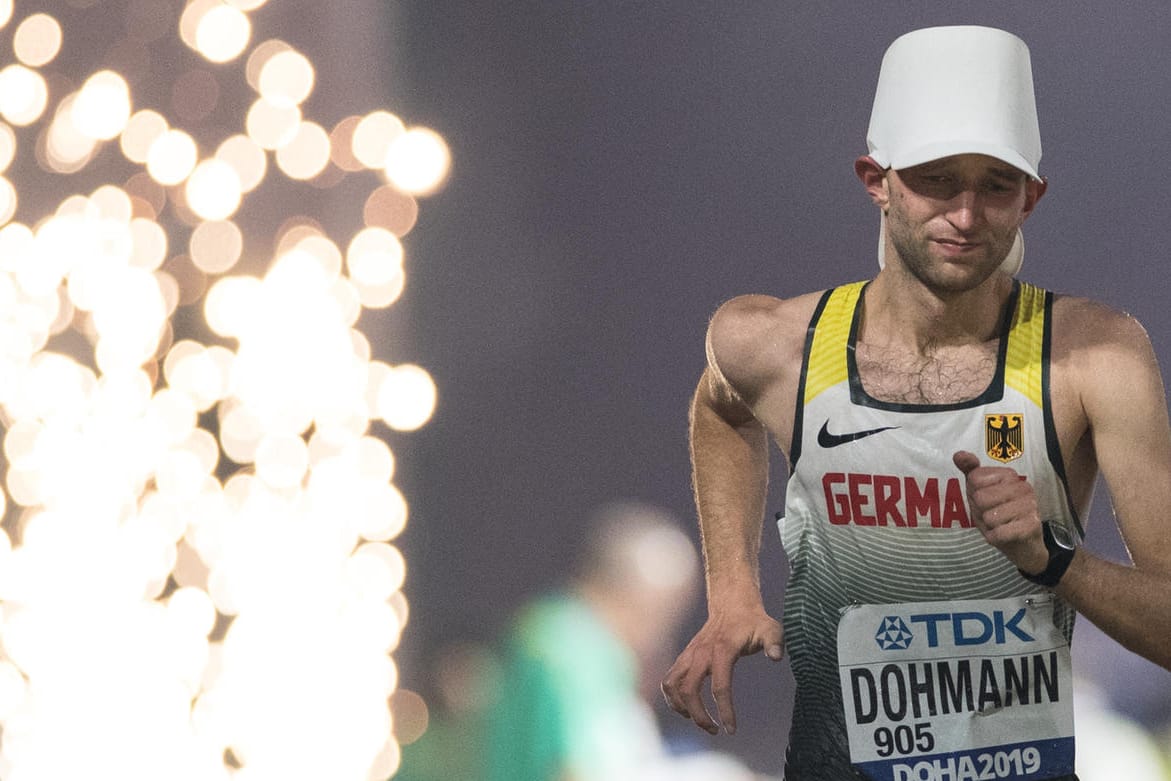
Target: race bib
x,y
967,690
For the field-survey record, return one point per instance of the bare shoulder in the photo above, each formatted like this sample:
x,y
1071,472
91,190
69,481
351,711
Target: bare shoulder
x,y
1093,333
1103,362
755,340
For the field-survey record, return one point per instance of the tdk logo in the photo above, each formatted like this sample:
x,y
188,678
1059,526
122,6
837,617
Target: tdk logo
x,y
970,628
893,634
973,628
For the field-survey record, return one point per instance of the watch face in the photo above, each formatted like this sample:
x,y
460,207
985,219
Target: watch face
x,y
1061,534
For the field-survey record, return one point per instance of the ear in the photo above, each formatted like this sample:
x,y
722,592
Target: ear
x,y
1033,192
873,178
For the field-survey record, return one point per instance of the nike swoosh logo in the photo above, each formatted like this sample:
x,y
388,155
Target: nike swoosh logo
x,y
826,439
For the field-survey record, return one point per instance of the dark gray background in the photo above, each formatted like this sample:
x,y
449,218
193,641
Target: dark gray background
x,y
620,168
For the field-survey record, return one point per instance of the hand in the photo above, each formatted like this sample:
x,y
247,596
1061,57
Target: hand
x,y
1004,508
724,638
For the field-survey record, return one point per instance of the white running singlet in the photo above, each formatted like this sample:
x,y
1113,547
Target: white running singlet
x,y
919,651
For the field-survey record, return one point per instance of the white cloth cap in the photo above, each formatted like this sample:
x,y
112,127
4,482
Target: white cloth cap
x,y
946,91
954,90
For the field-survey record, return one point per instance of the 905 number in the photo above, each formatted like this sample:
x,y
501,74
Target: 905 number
x,y
904,739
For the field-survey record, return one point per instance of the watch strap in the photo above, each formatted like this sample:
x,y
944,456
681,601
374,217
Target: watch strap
x,y
1060,558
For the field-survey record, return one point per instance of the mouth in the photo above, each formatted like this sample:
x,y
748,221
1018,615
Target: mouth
x,y
958,246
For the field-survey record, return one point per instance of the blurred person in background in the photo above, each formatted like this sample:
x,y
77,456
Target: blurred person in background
x,y
580,665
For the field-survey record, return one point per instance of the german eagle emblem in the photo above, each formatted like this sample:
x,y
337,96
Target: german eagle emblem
x,y
1004,437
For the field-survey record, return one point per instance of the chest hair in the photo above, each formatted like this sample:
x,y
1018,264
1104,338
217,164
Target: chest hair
x,y
942,375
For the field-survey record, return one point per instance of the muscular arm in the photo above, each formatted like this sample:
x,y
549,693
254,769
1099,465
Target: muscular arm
x,y
1122,397
729,451
729,457
1125,403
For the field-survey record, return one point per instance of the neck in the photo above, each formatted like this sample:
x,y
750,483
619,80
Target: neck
x,y
901,311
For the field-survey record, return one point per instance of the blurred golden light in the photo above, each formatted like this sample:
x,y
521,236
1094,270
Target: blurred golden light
x,y
411,716
261,54
298,229
7,200
142,129
227,305
37,40
417,161
102,108
216,246
23,95
407,398
221,31
272,126
281,460
320,247
247,158
171,157
192,610
286,78
341,145
66,148
374,261
374,257
7,146
146,193
306,154
373,136
213,190
391,209
198,601
149,243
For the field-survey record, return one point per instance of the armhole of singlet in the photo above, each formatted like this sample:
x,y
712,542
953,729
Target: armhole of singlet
x,y
1052,443
799,412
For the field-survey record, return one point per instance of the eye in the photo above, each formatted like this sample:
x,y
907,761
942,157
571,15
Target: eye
x,y
999,188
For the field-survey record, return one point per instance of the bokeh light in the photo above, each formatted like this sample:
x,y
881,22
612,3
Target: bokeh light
x,y
373,136
218,31
171,157
102,108
216,246
37,40
417,161
272,125
142,129
286,78
306,154
7,146
214,190
246,158
199,575
23,95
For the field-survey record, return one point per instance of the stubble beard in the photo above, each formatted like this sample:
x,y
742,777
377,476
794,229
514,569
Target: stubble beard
x,y
915,253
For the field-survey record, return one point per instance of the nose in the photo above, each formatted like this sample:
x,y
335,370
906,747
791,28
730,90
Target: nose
x,y
965,209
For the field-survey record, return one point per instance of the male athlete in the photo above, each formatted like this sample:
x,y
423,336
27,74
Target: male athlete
x,y
944,425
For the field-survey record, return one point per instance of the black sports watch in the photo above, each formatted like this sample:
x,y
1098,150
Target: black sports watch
x,y
1059,543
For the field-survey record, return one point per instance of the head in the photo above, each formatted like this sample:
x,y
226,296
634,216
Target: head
x,y
954,149
640,572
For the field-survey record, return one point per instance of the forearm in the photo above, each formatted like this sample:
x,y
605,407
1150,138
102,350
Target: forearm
x,y
730,478
1130,604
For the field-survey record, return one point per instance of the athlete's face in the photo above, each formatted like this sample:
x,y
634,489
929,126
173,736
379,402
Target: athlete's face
x,y
952,221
